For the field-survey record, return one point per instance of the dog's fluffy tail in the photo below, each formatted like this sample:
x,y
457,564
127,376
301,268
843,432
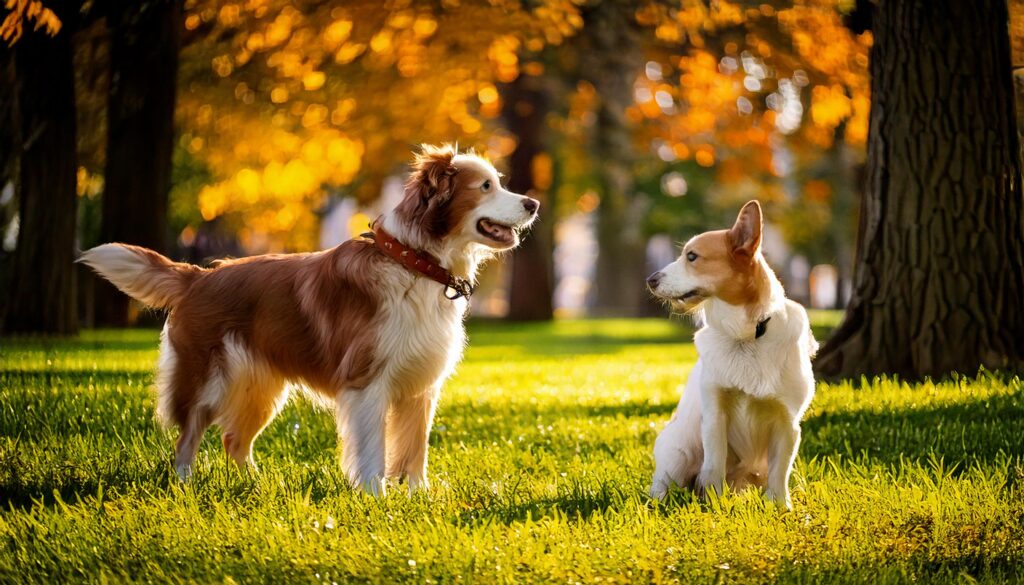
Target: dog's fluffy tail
x,y
142,274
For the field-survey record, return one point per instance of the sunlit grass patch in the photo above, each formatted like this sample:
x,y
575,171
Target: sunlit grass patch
x,y
540,460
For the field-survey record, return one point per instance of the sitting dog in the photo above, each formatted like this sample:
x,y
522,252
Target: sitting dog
x,y
373,325
738,420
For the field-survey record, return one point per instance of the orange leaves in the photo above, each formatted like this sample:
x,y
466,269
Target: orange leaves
x,y
830,105
337,33
22,11
504,57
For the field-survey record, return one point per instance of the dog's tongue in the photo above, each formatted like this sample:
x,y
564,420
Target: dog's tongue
x,y
498,232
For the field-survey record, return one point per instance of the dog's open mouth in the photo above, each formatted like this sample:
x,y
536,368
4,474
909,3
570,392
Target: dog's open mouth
x,y
691,296
493,230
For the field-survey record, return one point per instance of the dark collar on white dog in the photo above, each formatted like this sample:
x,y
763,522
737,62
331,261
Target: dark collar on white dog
x,y
762,327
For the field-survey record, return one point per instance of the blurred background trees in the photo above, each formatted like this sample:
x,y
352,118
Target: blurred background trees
x,y
214,127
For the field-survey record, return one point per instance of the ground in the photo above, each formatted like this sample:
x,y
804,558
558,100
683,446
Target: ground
x,y
540,462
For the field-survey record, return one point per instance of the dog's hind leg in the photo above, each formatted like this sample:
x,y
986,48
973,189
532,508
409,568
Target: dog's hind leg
x,y
252,395
408,434
249,408
362,416
192,432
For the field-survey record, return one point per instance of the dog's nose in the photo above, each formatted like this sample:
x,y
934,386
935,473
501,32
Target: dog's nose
x,y
653,280
531,205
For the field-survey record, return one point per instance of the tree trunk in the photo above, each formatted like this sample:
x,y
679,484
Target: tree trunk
x,y
144,63
610,61
939,283
532,283
43,274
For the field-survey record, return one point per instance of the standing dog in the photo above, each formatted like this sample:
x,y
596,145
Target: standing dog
x,y
738,420
373,325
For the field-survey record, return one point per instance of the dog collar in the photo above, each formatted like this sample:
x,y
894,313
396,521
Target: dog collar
x,y
762,328
421,262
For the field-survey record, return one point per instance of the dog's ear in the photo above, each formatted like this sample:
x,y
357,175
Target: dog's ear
x,y
432,178
745,234
430,186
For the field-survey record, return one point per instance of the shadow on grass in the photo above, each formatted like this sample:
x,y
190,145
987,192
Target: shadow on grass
x,y
976,431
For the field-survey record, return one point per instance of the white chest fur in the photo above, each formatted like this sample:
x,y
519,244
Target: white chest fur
x,y
421,335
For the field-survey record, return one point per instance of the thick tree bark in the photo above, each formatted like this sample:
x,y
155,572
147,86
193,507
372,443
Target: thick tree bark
x,y
610,60
144,64
532,283
43,274
939,284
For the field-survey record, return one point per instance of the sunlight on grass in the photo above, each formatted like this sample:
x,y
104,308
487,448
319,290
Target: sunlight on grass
x,y
540,460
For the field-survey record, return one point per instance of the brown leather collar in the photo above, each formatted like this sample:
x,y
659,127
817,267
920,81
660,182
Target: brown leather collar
x,y
420,261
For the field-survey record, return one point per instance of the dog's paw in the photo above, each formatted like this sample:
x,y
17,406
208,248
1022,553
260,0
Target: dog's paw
x,y
659,489
418,484
184,472
708,482
781,500
375,486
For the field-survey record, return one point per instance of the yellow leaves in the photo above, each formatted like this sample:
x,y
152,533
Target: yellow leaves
x,y
88,185
381,42
278,198
21,11
705,155
314,80
229,15
342,111
314,116
279,94
348,53
280,29
503,54
248,183
829,106
424,26
542,169
222,65
857,126
488,94
337,33
255,42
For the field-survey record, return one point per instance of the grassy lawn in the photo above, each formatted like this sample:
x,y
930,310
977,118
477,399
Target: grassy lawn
x,y
540,461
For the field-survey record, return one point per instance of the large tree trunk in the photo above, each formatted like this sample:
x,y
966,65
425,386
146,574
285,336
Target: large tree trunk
x,y
610,61
144,64
939,285
532,283
43,274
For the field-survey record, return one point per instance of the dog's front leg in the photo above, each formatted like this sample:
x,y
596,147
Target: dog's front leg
x,y
715,439
362,416
408,437
781,454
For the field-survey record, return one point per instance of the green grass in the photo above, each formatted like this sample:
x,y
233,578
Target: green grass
x,y
540,460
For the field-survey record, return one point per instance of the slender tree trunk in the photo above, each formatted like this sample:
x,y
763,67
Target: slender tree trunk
x,y
144,64
939,285
43,274
610,60
532,283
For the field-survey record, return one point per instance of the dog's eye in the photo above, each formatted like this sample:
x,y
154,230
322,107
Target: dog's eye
x,y
486,186
691,256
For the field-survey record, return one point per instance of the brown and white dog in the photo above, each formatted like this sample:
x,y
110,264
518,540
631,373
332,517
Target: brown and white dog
x,y
738,421
368,325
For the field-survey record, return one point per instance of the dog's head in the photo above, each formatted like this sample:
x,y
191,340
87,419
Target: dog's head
x,y
720,264
458,198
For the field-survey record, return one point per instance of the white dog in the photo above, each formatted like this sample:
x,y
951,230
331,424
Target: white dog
x,y
738,420
373,325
